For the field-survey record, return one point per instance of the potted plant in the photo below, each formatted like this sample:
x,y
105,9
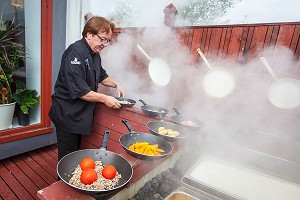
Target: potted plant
x,y
11,57
26,99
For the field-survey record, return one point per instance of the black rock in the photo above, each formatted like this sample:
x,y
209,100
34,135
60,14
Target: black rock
x,y
160,178
154,182
165,188
141,192
147,185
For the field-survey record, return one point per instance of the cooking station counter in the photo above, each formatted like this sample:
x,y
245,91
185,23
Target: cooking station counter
x,y
143,170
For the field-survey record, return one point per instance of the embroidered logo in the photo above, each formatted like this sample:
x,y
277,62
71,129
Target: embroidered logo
x,y
75,61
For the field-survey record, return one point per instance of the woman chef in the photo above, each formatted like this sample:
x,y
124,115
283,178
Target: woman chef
x,y
75,91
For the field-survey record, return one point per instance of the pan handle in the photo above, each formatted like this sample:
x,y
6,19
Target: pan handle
x,y
204,58
143,102
131,130
177,111
143,51
105,140
269,68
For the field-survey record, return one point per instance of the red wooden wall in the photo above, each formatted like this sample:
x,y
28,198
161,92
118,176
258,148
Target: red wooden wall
x,y
239,42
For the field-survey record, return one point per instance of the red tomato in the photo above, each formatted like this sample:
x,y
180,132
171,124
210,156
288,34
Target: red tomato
x,y
109,172
88,176
87,163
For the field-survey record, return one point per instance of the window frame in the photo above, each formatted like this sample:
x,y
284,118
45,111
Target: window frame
x,y
44,126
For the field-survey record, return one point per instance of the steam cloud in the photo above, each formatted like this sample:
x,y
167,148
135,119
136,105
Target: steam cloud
x,y
246,110
245,118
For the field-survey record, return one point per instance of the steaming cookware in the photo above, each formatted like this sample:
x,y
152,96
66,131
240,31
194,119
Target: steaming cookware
x,y
154,125
218,82
186,121
68,163
122,101
130,138
153,111
283,93
158,69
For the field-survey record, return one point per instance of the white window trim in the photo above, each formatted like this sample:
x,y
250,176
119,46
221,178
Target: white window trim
x,y
76,10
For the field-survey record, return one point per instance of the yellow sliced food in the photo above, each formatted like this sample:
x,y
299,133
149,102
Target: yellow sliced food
x,y
160,150
146,148
140,144
141,150
131,148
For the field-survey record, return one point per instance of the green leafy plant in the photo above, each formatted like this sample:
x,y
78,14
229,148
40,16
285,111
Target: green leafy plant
x,y
25,98
12,54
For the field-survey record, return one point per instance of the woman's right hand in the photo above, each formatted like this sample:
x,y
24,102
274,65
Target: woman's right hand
x,y
112,102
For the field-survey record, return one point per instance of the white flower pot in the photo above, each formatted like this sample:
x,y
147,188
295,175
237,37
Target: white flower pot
x,y
6,115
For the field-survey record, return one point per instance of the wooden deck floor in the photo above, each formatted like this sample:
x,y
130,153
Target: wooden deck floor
x,y
21,176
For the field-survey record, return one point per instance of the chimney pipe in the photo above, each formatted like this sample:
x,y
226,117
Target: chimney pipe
x,y
170,13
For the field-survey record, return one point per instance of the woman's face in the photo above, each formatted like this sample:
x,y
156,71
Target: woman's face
x,y
98,41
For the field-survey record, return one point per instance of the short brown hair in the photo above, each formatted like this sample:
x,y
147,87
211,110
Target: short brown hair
x,y
96,24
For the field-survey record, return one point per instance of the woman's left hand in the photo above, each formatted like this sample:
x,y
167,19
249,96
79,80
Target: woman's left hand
x,y
120,90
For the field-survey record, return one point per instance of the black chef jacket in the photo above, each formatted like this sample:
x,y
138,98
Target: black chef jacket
x,y
80,72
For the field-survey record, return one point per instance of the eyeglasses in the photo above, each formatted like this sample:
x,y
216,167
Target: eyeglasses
x,y
105,41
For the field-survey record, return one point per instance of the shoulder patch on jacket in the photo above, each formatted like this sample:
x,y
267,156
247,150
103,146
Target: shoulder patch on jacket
x,y
75,61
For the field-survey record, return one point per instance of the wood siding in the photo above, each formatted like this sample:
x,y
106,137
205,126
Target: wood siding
x,y
239,42
238,45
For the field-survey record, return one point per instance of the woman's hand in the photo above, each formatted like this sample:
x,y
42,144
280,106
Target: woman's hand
x,y
120,90
112,83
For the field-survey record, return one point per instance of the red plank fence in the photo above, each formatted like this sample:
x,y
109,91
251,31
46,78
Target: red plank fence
x,y
239,42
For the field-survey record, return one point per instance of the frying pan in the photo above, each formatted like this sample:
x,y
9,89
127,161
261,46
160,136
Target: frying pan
x,y
129,138
154,125
158,69
124,105
180,119
153,111
218,82
283,93
68,163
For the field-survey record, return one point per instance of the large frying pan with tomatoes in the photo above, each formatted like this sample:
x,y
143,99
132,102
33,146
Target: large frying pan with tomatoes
x,y
132,137
68,163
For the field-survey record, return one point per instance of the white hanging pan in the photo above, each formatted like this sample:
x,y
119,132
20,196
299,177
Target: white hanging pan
x,y
158,69
283,93
218,82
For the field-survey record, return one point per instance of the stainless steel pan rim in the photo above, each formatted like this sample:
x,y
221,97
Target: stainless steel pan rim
x,y
158,69
285,93
218,82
